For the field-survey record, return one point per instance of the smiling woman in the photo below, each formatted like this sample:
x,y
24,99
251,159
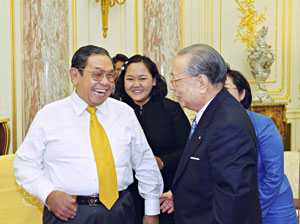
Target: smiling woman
x,y
139,83
164,123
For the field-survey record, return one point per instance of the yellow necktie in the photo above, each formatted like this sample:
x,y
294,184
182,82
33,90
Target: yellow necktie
x,y
107,176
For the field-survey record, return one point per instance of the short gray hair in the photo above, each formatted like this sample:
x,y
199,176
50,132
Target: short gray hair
x,y
204,59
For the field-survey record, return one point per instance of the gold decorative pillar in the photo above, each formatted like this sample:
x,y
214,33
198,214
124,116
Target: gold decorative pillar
x,y
162,33
45,55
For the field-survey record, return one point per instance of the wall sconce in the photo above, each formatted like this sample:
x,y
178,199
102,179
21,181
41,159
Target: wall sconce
x,y
105,4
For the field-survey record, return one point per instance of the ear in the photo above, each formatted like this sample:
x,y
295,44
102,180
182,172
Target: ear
x,y
74,76
203,82
154,81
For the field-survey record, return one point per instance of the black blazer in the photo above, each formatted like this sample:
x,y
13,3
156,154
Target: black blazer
x,y
216,179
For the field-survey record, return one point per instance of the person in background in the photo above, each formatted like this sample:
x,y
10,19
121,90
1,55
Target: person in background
x,y
164,123
275,194
119,61
216,178
64,158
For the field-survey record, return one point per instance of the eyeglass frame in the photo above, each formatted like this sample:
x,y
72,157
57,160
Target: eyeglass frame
x,y
103,73
172,80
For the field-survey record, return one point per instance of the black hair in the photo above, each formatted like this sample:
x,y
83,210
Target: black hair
x,y
241,84
119,57
80,58
160,90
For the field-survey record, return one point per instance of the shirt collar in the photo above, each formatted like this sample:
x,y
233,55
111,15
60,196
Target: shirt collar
x,y
79,105
201,111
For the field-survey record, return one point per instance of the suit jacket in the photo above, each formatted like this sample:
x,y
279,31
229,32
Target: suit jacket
x,y
216,179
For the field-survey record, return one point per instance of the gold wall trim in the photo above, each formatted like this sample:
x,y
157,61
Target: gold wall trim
x,y
220,27
89,22
136,26
182,23
199,19
293,108
212,22
13,75
21,69
121,29
143,28
191,11
276,39
276,47
289,49
205,22
74,24
289,27
283,45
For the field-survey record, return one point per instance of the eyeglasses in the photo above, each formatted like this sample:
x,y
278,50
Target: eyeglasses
x,y
172,80
98,74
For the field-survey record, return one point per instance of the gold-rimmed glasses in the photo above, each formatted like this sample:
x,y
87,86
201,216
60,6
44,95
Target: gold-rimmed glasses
x,y
98,74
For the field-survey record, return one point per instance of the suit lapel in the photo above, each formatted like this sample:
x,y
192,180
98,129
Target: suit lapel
x,y
199,134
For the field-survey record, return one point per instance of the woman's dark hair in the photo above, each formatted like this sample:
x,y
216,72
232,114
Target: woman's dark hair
x,y
160,90
80,58
241,83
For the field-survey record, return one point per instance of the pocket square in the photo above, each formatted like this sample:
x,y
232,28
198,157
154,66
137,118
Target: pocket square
x,y
194,158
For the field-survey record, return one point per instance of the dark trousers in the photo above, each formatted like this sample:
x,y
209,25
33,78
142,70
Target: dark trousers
x,y
121,212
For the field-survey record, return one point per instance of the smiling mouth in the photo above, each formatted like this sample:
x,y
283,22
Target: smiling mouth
x,y
137,91
100,91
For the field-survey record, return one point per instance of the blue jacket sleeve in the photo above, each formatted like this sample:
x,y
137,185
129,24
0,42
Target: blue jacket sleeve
x,y
270,160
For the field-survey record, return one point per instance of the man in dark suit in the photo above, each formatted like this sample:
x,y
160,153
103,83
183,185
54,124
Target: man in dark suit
x,y
216,180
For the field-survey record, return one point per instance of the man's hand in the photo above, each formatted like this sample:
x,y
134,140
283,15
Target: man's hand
x,y
167,202
150,219
159,162
62,205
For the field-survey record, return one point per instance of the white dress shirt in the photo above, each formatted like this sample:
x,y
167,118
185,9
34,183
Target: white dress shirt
x,y
57,153
201,111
